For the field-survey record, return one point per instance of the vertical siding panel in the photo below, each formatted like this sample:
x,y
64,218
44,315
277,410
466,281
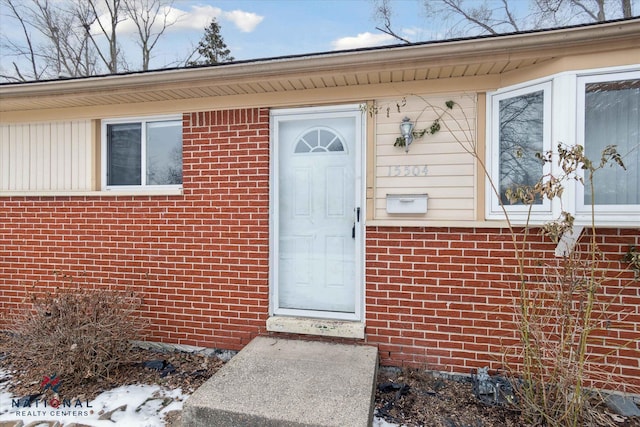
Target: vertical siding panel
x,y
54,167
78,138
14,136
5,136
89,159
28,164
82,155
31,161
61,164
67,159
75,146
37,158
15,157
21,164
46,156
93,127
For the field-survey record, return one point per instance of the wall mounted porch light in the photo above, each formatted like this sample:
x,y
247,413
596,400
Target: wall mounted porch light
x,y
409,134
406,129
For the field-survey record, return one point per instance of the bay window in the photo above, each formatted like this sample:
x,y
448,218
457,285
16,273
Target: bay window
x,y
520,127
593,109
142,153
609,114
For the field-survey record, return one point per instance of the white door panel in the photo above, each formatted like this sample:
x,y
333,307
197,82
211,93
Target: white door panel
x,y
316,226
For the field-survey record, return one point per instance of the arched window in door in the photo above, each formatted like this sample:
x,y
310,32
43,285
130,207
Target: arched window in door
x,y
319,140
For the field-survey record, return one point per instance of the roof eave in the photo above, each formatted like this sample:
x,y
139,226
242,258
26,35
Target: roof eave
x,y
457,51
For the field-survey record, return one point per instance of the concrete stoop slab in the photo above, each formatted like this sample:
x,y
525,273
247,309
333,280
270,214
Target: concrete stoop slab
x,y
282,382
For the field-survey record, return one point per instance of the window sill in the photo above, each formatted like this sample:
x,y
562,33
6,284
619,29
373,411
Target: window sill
x,y
113,193
321,327
402,222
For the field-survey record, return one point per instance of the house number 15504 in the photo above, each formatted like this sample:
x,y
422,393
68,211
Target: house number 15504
x,y
415,170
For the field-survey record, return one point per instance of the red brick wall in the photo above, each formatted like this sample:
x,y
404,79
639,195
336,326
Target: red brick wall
x,y
444,298
200,261
436,297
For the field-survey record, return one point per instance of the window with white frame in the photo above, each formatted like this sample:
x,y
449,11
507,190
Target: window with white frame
x,y
609,114
519,131
594,109
142,153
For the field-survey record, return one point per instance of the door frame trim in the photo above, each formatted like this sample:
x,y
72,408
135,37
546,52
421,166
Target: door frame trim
x,y
303,113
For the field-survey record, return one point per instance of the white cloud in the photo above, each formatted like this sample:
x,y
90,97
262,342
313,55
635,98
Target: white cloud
x,y
245,21
361,40
198,18
178,20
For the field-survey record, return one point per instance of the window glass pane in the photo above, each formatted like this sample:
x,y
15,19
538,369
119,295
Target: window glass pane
x,y
319,141
164,153
302,147
612,117
311,138
326,137
521,133
336,145
124,154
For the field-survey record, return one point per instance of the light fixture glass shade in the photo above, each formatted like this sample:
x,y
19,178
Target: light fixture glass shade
x,y
406,127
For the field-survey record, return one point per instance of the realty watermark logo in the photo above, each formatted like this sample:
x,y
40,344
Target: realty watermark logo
x,y
38,405
50,383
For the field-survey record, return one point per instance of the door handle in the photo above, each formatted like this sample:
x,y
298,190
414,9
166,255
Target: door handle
x,y
353,229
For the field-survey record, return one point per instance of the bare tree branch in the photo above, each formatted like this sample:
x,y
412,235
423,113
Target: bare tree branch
x,y
19,16
474,17
144,14
113,7
478,16
384,12
79,37
598,16
507,12
388,30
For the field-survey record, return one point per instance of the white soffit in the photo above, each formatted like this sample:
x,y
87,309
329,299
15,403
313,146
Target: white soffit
x,y
397,64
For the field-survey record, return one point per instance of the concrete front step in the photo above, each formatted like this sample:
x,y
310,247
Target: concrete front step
x,y
279,382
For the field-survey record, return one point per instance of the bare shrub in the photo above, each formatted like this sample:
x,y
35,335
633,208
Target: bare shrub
x,y
79,334
566,312
561,316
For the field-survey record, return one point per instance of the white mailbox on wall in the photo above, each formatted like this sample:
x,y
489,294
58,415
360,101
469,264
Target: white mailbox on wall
x,y
407,203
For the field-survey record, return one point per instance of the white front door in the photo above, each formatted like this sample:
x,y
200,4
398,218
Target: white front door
x,y
316,220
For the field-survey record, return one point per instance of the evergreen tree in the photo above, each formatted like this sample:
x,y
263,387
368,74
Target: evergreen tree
x,y
212,48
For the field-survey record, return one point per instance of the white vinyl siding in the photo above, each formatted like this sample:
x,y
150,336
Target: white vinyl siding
x,y
49,156
435,164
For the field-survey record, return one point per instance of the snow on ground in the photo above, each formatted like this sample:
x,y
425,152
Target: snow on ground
x,y
380,422
133,406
